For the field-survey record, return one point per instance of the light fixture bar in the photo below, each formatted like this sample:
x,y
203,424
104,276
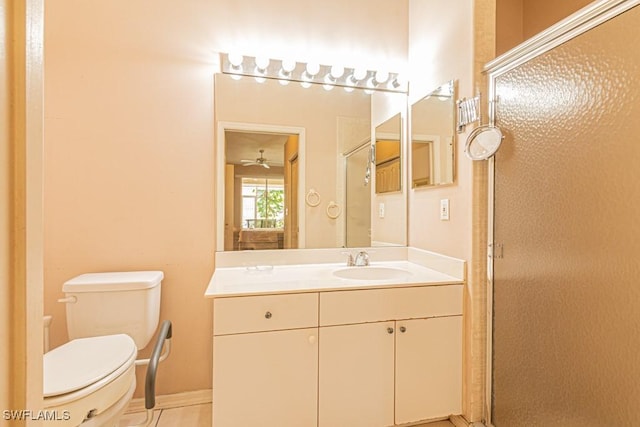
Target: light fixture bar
x,y
310,73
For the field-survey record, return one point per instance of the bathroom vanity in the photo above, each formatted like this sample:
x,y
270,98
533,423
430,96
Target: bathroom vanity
x,y
301,345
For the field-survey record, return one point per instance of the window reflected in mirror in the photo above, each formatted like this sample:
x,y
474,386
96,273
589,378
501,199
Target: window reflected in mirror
x,y
433,138
387,159
260,191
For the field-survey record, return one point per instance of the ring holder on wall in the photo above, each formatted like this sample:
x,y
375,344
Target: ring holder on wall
x,y
333,210
312,198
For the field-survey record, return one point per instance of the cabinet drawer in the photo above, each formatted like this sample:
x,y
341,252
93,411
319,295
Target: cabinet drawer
x,y
373,305
264,313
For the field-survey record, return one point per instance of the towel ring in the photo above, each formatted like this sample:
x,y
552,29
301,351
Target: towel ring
x,y
333,210
312,198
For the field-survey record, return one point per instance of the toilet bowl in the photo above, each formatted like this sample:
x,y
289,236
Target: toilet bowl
x,y
89,381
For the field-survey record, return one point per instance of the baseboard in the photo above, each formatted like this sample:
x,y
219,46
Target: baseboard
x,y
460,421
168,401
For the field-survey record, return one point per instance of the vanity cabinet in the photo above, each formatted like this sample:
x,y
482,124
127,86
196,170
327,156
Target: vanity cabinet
x,y
366,357
356,375
265,361
407,368
428,368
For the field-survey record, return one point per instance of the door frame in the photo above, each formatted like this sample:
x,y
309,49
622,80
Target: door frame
x,y
220,146
574,25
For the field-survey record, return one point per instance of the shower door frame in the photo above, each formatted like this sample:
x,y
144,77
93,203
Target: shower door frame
x,y
565,30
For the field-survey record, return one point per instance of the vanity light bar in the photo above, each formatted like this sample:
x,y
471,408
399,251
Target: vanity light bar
x,y
307,74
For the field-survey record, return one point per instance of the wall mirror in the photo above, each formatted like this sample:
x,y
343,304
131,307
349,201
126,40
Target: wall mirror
x,y
291,164
433,138
387,155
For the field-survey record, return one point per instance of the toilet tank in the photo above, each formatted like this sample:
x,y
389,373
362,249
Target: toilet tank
x,y
114,303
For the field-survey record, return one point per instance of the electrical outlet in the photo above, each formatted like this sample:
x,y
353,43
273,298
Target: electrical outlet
x,y
444,209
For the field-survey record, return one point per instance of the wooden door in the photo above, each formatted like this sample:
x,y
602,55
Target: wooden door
x,y
428,368
229,194
266,379
291,193
356,375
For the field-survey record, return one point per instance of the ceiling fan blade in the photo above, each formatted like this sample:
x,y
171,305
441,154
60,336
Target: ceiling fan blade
x,y
264,165
250,164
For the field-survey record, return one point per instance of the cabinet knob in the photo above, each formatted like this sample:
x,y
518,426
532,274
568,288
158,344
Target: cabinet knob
x,y
403,329
268,315
312,339
390,330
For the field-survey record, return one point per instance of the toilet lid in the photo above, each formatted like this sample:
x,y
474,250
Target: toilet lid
x,y
82,362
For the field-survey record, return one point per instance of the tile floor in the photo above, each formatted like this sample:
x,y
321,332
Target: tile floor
x,y
200,416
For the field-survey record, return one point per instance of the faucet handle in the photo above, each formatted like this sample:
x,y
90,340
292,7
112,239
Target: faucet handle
x,y
362,259
350,262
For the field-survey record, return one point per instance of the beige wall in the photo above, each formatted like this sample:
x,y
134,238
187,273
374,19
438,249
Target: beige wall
x,y
129,162
541,14
509,22
439,52
519,20
129,175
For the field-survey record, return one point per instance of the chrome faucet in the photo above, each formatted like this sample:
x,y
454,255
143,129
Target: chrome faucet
x,y
362,259
350,262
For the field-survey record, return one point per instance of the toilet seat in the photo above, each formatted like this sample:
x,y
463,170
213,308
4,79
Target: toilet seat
x,y
88,374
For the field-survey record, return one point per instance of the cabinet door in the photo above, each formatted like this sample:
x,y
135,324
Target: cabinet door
x,y
356,375
267,379
428,368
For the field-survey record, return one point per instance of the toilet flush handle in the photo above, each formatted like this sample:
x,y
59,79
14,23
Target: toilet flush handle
x,y
70,300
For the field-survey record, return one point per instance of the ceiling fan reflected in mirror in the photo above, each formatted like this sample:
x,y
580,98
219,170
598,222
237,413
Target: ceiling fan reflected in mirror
x,y
260,161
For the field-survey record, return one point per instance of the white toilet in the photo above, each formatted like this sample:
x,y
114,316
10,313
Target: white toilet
x,y
90,380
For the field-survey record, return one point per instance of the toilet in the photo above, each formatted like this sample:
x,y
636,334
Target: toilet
x,y
90,380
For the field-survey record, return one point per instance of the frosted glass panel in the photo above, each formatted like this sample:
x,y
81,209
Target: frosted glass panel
x,y
567,209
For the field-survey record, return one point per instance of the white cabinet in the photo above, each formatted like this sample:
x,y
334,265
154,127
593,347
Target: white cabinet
x,y
265,361
368,357
356,375
428,368
267,379
385,373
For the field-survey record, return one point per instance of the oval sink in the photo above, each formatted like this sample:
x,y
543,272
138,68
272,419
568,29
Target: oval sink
x,y
371,273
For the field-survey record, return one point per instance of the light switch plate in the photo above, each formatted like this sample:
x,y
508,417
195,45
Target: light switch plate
x,y
444,209
381,210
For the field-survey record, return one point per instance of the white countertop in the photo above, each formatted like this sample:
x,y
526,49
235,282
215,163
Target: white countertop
x,y
269,279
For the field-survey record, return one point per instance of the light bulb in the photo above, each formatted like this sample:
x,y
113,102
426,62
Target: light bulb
x,y
382,76
260,79
327,87
283,82
288,65
262,63
305,84
398,82
337,71
235,59
313,69
359,74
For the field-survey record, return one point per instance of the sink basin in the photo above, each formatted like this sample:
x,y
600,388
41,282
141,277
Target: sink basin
x,y
371,273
